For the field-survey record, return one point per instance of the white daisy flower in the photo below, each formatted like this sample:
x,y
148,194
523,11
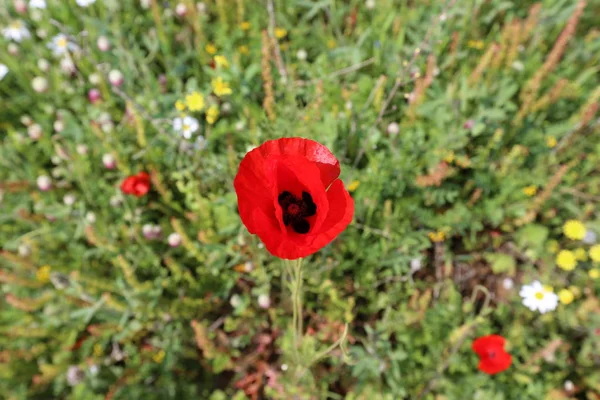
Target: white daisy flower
x,y
186,126
84,3
60,44
538,298
16,31
3,71
37,4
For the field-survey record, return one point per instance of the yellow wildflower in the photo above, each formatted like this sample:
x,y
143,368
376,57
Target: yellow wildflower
x,y
581,255
159,356
210,49
574,230
353,186
551,141
98,350
212,114
43,274
245,25
566,296
594,273
566,260
595,253
243,49
221,61
530,190
220,87
449,157
280,33
195,101
475,44
438,236
331,43
180,105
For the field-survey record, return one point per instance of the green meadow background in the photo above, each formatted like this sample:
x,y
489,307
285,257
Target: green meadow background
x,y
468,135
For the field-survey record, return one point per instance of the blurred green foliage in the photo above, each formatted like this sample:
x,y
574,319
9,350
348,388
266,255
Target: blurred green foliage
x,y
467,130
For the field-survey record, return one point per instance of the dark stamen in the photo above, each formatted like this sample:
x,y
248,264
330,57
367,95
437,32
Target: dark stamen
x,y
296,210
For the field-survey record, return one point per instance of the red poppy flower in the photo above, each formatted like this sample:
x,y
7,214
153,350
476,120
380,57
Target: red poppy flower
x,y
137,185
290,196
492,357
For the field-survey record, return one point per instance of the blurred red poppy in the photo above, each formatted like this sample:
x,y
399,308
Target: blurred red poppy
x,y
492,356
290,196
137,185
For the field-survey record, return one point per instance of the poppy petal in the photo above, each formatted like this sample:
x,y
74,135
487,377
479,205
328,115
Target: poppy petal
x,y
315,152
482,345
340,214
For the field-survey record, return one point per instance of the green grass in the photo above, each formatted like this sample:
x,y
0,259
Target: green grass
x,y
468,131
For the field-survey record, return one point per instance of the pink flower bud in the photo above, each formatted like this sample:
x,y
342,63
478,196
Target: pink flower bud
x,y
20,6
115,77
174,239
469,124
180,10
109,161
94,96
58,126
264,301
39,84
34,131
44,183
13,49
103,43
81,149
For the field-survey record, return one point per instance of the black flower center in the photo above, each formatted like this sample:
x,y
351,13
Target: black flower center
x,y
491,355
296,210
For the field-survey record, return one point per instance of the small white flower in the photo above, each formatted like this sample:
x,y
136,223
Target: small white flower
x,y
3,71
370,4
81,149
37,4
94,78
301,54
24,250
174,239
84,3
34,131
186,126
115,77
44,183
39,84
58,126
538,298
589,238
75,375
43,65
393,128
103,43
109,161
67,65
264,301
415,264
90,217
239,125
518,66
235,301
60,44
508,283
16,31
180,10
69,199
